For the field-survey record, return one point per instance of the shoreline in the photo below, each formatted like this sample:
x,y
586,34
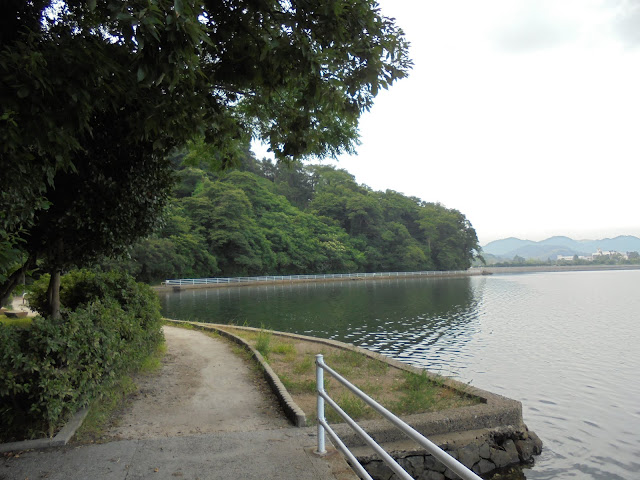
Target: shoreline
x,y
320,278
558,268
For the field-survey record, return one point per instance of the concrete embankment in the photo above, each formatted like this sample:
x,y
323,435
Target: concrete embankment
x,y
358,277
284,280
486,436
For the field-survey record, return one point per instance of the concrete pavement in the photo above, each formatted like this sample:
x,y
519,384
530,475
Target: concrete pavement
x,y
202,417
266,454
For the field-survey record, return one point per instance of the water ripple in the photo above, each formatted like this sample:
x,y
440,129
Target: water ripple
x,y
565,344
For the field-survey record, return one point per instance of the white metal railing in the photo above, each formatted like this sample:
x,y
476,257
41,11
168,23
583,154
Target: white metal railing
x,y
458,468
285,278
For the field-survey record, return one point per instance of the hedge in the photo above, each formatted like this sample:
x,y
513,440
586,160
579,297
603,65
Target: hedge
x,y
48,371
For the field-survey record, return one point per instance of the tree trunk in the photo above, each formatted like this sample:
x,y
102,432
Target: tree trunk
x,y
53,292
53,295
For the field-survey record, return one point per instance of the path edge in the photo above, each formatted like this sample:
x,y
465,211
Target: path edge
x,y
291,409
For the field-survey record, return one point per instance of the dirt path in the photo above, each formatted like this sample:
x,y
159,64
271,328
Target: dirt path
x,y
202,387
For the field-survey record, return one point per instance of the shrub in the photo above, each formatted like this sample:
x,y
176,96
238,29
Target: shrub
x,y
81,287
54,367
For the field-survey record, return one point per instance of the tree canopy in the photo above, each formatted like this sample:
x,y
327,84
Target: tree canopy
x,y
84,80
253,221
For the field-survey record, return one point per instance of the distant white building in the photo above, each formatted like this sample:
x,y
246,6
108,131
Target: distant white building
x,y
611,253
590,258
571,257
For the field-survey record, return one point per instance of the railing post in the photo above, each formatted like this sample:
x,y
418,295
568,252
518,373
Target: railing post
x,y
320,388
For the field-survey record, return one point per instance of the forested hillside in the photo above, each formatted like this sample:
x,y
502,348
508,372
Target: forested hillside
x,y
265,218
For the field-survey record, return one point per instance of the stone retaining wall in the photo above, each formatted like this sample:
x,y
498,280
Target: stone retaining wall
x,y
491,450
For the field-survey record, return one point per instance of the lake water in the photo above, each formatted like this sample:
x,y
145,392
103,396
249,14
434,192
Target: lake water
x,y
566,344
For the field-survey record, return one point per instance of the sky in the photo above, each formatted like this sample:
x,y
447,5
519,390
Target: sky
x,y
522,114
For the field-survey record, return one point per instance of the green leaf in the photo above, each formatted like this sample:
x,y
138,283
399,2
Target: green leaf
x,y
142,72
178,6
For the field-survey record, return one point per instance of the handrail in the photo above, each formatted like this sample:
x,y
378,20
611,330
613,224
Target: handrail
x,y
458,468
321,276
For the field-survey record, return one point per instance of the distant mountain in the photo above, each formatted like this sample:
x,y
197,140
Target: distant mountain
x,y
563,241
508,248
505,246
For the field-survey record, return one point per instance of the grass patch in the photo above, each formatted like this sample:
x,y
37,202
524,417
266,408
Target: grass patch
x,y
298,386
186,326
416,391
284,349
348,362
23,322
352,405
304,366
402,392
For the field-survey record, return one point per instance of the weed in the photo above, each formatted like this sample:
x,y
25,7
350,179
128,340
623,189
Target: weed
x,y
287,349
186,326
298,386
153,362
345,361
417,393
371,388
306,365
263,343
376,367
352,405
347,358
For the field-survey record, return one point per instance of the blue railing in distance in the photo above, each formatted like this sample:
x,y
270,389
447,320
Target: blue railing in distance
x,y
323,427
322,276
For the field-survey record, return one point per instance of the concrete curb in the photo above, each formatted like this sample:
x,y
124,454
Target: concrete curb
x,y
62,438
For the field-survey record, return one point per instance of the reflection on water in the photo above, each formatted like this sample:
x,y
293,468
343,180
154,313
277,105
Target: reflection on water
x,y
351,311
565,344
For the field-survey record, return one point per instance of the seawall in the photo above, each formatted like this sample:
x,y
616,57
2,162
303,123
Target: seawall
x,y
289,279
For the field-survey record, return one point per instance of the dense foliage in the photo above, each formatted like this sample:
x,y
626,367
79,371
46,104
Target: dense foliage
x,y
89,88
279,220
109,324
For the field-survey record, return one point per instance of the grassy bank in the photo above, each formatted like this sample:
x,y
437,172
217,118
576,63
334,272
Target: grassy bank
x,y
400,391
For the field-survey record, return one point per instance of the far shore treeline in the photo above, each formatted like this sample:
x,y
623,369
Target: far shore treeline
x,y
277,219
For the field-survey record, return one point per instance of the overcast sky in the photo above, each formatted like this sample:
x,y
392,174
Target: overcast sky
x,y
522,114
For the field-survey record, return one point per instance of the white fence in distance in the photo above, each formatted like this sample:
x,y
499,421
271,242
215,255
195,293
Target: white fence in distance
x,y
325,276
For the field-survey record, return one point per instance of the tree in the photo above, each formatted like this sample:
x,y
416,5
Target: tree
x,y
296,74
451,240
114,196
